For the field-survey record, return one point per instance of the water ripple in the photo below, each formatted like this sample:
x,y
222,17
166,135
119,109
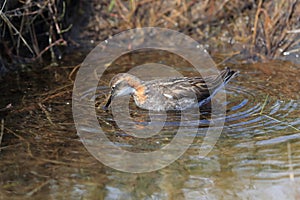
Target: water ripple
x,y
250,110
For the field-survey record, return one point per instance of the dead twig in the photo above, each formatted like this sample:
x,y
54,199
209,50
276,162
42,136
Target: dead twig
x,y
3,6
47,114
73,73
228,58
1,132
21,138
56,95
57,42
294,31
3,112
38,188
256,24
11,26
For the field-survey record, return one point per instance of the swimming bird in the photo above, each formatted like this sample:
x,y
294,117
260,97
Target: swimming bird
x,y
176,93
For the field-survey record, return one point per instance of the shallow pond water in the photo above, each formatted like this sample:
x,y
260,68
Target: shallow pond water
x,y
257,156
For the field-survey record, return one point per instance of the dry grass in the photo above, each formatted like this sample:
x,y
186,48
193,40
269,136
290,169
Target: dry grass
x,y
259,29
274,26
30,28
256,29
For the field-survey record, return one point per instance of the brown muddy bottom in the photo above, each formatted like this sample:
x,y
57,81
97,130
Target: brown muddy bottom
x,y
257,156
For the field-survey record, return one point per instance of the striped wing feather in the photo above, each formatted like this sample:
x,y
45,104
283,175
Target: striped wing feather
x,y
184,87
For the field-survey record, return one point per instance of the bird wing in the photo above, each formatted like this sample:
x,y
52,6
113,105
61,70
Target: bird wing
x,y
185,88
189,87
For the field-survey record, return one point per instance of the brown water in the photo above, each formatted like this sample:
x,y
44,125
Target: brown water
x,y
256,157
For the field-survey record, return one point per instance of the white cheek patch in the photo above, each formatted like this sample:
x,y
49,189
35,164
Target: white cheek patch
x,y
126,91
168,96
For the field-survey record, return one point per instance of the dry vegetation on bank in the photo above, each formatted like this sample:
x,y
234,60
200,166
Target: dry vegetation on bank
x,y
32,29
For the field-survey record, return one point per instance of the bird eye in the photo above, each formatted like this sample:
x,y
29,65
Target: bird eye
x,y
114,86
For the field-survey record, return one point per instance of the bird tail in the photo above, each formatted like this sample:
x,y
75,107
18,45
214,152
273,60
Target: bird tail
x,y
227,74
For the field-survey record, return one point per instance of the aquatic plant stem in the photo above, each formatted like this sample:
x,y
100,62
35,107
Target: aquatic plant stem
x,y
289,151
261,113
264,104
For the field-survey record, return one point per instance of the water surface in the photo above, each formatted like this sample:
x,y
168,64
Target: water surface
x,y
257,155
